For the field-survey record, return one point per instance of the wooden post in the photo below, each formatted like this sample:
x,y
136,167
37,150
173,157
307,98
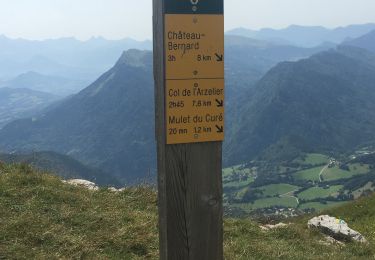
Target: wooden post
x,y
189,156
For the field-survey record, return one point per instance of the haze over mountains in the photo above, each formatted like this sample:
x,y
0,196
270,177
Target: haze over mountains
x,y
66,57
109,124
21,102
34,70
119,106
366,41
306,36
54,85
247,60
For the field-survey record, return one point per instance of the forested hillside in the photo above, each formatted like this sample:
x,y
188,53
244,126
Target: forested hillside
x,y
320,104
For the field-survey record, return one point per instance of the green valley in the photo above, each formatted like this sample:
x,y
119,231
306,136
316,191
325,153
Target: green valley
x,y
309,182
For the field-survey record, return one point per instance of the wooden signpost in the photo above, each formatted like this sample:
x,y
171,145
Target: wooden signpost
x,y
189,96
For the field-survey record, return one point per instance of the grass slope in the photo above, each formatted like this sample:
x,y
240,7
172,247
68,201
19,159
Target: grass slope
x,y
309,174
42,218
277,189
336,173
286,202
321,206
314,159
319,192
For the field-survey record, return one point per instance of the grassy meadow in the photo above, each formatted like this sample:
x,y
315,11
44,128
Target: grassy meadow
x,y
43,218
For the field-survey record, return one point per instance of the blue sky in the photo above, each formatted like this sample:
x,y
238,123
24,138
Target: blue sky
x,y
115,19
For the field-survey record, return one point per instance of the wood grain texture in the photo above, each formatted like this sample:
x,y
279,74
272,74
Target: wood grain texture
x,y
159,79
189,180
194,201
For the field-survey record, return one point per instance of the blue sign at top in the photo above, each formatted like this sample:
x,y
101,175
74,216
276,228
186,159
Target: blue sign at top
x,y
194,6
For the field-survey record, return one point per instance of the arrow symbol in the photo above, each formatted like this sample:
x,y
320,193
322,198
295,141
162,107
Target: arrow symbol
x,y
219,57
220,129
220,103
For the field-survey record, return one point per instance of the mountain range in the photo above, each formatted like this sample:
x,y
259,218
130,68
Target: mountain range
x,y
318,103
108,125
79,61
65,66
366,41
247,60
54,85
321,104
306,36
96,53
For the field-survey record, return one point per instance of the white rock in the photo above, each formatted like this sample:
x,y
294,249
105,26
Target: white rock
x,y
116,190
82,183
336,228
270,227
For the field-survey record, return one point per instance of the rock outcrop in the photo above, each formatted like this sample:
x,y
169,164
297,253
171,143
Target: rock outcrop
x,y
82,183
336,228
89,185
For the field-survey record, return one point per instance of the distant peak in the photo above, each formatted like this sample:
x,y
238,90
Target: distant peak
x,y
30,72
304,27
97,38
135,58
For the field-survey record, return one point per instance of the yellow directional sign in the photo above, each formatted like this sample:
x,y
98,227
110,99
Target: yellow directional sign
x,y
194,46
195,110
194,55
